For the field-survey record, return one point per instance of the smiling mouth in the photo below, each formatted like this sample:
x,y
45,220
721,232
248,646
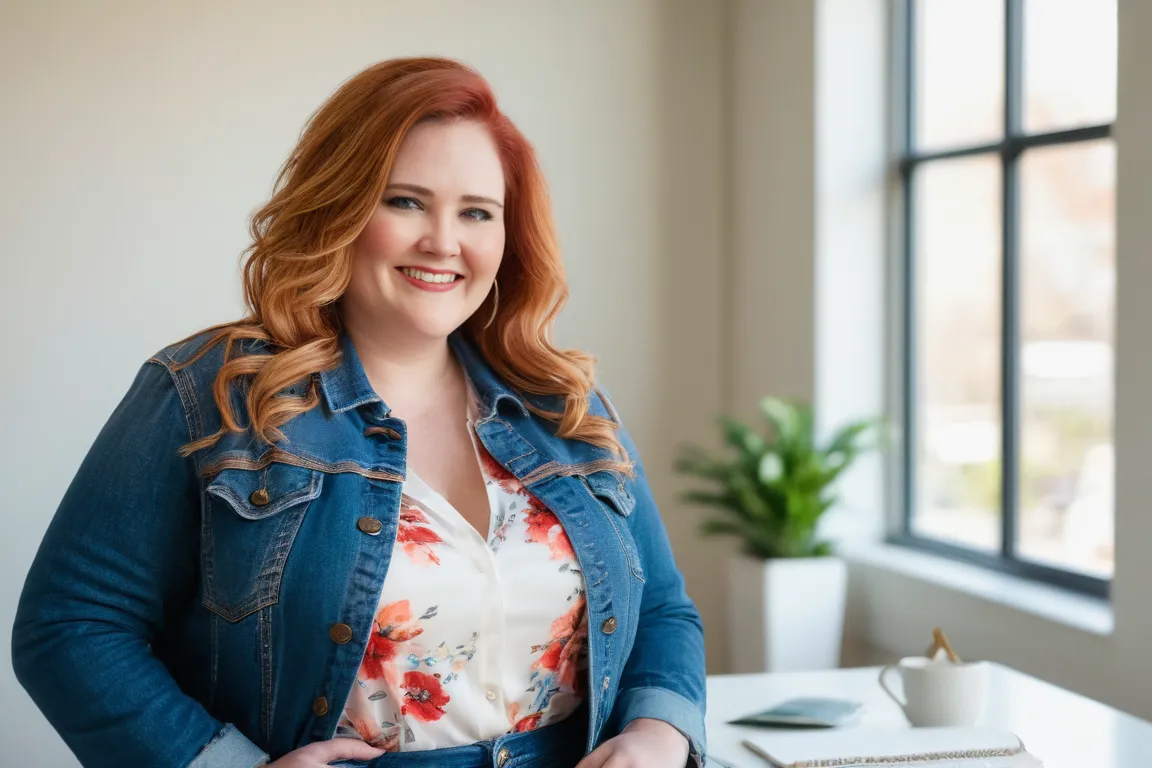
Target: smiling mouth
x,y
434,278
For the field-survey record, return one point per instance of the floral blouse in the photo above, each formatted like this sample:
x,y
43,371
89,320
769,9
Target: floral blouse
x,y
473,638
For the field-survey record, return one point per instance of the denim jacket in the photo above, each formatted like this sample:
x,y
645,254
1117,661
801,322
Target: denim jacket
x,y
182,611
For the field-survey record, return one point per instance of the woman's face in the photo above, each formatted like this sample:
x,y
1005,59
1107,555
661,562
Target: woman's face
x,y
427,258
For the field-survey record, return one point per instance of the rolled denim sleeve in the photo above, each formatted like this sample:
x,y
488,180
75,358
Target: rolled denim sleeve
x,y
119,559
230,748
664,676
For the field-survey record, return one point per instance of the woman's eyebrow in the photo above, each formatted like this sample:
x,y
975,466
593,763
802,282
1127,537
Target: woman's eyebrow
x,y
428,193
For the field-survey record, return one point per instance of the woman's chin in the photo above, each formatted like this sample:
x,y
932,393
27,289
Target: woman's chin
x,y
434,328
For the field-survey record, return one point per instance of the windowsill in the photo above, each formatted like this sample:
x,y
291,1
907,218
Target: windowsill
x,y
1089,614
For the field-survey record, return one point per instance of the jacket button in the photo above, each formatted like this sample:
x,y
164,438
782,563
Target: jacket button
x,y
503,757
320,706
369,525
340,633
259,497
609,625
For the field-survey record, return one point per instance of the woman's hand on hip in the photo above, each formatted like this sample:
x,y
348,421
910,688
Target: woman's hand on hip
x,y
321,753
644,743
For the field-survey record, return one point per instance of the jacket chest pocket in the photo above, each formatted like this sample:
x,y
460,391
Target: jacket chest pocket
x,y
616,502
250,520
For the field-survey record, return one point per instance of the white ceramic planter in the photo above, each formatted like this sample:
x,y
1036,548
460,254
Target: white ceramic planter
x,y
786,615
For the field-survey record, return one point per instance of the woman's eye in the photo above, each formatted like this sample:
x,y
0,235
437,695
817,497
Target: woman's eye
x,y
404,203
478,214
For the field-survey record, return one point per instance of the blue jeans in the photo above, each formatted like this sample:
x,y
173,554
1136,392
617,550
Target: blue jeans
x,y
560,745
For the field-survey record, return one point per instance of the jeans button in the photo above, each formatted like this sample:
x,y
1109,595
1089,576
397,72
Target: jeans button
x,y
503,757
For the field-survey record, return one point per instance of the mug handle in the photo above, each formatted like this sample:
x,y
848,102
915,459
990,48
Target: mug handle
x,y
883,673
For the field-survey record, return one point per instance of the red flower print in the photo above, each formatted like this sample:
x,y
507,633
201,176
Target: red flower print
x,y
412,515
562,653
415,538
494,470
424,698
530,723
571,659
380,652
393,625
366,728
545,528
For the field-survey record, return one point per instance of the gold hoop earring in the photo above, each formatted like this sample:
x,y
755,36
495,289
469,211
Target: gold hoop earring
x,y
495,302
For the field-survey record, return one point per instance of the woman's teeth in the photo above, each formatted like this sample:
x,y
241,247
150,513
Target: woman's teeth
x,y
429,277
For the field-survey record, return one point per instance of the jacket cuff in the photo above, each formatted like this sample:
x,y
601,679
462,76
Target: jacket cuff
x,y
670,707
230,749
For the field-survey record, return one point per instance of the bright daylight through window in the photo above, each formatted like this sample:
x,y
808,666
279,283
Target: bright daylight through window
x,y
1009,293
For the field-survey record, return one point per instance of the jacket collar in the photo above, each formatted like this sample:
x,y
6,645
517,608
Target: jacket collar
x,y
346,386
489,388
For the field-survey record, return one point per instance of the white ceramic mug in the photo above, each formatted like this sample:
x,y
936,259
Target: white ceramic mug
x,y
939,693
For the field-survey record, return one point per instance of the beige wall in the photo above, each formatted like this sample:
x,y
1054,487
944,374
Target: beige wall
x,y
772,139
139,136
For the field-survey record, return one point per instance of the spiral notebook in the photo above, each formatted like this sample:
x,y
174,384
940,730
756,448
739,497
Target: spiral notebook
x,y
880,748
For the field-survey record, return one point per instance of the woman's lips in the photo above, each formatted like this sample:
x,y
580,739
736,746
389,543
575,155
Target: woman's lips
x,y
424,284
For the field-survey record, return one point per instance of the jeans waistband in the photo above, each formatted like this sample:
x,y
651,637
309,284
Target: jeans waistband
x,y
560,745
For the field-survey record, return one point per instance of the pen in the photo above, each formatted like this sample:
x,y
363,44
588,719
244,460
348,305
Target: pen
x,y
718,763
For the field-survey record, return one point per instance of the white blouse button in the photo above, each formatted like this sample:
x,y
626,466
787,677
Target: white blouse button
x,y
491,695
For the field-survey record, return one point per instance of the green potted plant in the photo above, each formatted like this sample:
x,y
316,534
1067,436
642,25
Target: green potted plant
x,y
787,589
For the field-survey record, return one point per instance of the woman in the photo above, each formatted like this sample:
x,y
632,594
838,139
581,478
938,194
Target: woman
x,y
381,520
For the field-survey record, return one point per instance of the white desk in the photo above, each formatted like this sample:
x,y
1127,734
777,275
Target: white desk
x,y
1063,729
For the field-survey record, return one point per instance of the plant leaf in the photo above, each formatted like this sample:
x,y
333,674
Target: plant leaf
x,y
772,491
745,490
748,443
781,416
771,468
701,465
821,549
846,438
712,527
803,439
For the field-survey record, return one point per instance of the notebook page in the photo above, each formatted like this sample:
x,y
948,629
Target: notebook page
x,y
871,746
1018,761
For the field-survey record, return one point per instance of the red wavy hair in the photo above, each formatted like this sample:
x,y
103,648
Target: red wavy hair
x,y
299,263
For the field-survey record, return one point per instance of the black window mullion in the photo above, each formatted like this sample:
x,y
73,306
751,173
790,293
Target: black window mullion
x,y
1013,68
908,286
909,340
1010,280
1019,142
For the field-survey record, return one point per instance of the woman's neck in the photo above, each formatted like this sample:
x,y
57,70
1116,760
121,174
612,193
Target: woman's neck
x,y
413,376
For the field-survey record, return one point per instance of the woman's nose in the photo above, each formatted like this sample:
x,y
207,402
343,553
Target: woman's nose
x,y
440,240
